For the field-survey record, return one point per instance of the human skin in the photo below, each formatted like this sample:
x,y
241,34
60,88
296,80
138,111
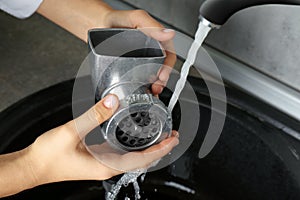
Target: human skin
x,y
59,155
79,16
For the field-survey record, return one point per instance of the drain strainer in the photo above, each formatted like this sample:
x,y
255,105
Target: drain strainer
x,y
141,121
138,129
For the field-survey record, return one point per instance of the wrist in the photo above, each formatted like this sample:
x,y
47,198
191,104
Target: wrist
x,y
37,159
16,173
76,16
29,168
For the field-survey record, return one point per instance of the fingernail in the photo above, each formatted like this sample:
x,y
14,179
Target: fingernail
x,y
110,101
160,90
167,30
175,142
176,134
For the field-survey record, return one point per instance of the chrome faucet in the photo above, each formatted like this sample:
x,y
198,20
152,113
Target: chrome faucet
x,y
215,13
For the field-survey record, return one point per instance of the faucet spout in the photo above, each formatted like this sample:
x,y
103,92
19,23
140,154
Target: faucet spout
x,y
216,12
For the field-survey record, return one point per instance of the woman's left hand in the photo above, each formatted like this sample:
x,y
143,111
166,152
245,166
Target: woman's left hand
x,y
141,20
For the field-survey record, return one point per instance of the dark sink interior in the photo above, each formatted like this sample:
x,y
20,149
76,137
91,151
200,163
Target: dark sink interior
x,y
254,158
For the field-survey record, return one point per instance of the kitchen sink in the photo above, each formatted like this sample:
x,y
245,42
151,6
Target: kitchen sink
x,y
253,159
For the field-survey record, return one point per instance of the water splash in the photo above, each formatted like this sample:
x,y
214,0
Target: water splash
x,y
129,177
126,179
200,36
180,187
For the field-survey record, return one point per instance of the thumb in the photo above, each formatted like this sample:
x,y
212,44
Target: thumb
x,y
96,115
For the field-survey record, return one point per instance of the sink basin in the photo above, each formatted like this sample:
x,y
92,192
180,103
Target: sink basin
x,y
254,158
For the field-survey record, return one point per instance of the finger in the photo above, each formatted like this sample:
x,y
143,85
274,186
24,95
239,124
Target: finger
x,y
160,34
167,145
167,68
96,115
157,87
103,148
141,20
169,62
145,158
131,19
175,134
137,160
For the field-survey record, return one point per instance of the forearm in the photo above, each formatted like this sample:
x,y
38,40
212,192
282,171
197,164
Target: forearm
x,y
76,16
15,173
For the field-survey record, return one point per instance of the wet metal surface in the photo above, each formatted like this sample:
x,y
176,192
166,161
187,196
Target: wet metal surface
x,y
123,62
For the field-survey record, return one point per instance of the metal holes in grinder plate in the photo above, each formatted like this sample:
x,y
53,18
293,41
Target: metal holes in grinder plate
x,y
138,129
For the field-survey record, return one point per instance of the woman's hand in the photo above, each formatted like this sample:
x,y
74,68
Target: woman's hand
x,y
79,16
59,155
141,20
